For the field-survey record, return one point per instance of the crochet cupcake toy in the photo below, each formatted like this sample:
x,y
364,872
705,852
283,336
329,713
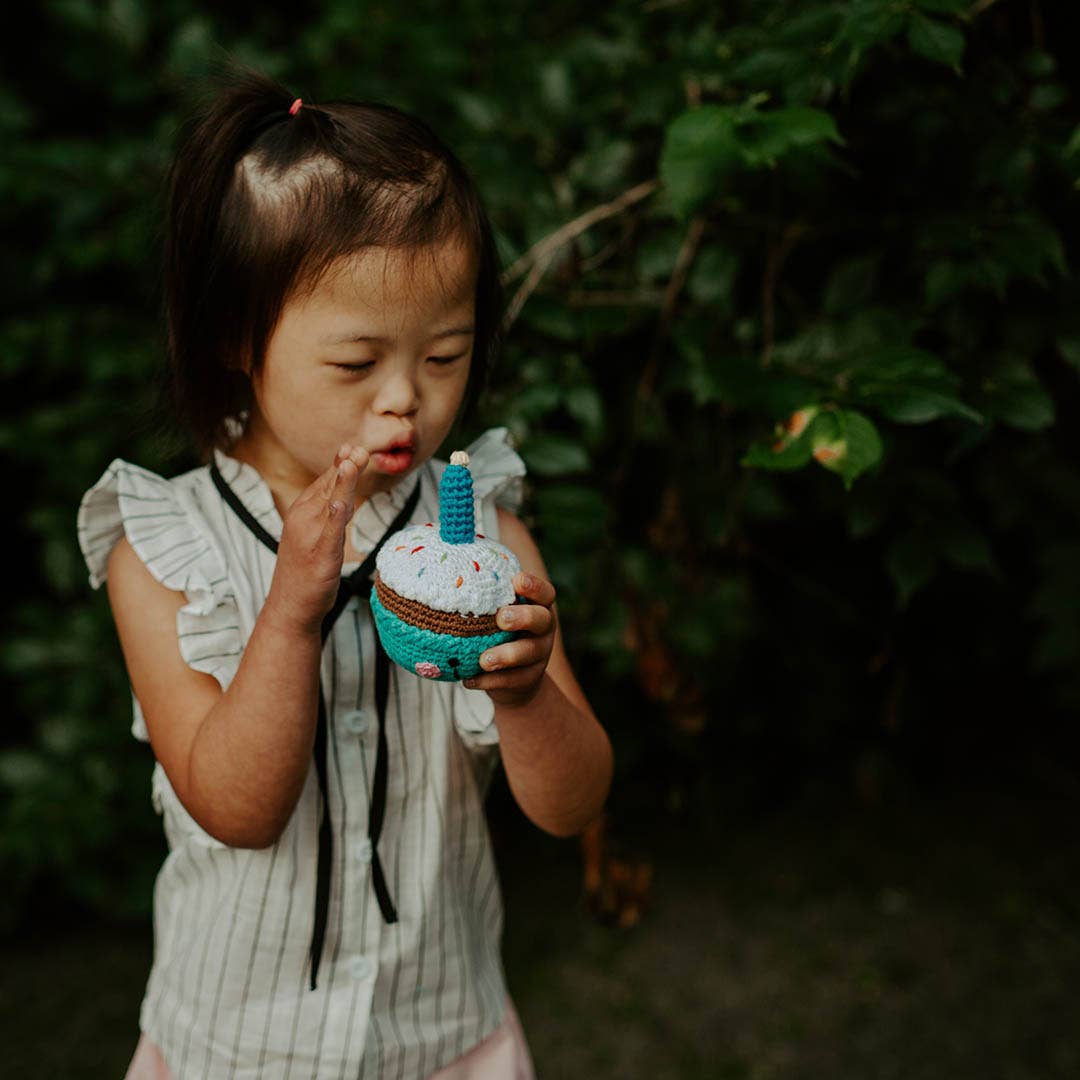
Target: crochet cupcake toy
x,y
437,589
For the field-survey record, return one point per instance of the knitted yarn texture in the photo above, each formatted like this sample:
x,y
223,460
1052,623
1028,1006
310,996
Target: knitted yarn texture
x,y
437,589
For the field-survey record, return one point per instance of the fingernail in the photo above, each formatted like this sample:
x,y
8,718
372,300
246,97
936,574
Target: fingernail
x,y
506,619
341,468
345,449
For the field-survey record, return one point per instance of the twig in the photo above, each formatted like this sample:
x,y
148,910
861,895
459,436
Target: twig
x,y
600,257
683,262
565,233
1038,30
513,309
777,254
615,298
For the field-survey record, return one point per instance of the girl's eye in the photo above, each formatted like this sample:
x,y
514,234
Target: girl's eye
x,y
441,361
355,367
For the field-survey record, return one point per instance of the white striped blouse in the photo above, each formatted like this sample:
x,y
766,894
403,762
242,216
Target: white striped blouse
x,y
228,993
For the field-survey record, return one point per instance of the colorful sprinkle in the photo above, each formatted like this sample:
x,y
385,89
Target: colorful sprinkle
x,y
481,535
505,556
400,547
477,565
422,569
443,559
429,526
496,573
459,581
416,549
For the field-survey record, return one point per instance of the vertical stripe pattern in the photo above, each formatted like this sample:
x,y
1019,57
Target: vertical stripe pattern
x,y
228,992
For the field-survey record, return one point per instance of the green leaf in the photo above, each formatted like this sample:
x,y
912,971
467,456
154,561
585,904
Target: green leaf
x,y
701,152
792,444
1072,147
916,405
712,278
944,279
966,547
584,404
556,88
871,22
1029,245
845,442
1070,349
778,130
1047,96
851,283
911,563
943,7
554,455
535,402
602,167
936,40
572,512
657,254
479,111
762,455
1018,399
909,386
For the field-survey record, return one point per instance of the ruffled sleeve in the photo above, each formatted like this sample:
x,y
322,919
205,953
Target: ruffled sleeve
x,y
162,524
498,480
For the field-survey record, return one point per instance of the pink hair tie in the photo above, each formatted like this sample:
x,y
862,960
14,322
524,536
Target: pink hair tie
x,y
294,108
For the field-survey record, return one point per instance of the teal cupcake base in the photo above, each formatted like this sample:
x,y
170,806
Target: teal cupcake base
x,y
429,655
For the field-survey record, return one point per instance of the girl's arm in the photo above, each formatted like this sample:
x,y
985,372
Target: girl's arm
x,y
557,757
238,760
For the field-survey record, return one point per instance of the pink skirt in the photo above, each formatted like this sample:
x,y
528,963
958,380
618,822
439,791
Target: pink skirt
x,y
503,1055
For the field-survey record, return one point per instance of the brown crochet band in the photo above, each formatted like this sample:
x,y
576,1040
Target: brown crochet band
x,y
441,622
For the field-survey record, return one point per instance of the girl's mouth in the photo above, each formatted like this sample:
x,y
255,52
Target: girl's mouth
x,y
393,461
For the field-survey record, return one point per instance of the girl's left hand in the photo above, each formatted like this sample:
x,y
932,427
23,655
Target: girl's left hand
x,y
514,670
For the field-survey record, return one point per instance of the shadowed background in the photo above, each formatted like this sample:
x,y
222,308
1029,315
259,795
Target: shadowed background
x,y
793,358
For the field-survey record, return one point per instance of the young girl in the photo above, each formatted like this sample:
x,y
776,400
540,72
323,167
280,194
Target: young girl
x,y
329,905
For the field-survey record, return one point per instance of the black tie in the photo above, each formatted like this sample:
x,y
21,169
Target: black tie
x,y
358,583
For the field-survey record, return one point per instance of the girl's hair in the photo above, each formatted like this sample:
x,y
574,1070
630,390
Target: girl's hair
x,y
260,202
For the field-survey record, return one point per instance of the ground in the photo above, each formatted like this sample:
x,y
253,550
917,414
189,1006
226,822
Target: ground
x,y
939,939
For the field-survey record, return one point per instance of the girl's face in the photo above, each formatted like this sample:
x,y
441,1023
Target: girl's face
x,y
377,354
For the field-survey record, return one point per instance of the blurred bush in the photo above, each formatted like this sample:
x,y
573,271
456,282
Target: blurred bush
x,y
792,361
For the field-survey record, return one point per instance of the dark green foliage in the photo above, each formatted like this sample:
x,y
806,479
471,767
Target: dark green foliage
x,y
800,418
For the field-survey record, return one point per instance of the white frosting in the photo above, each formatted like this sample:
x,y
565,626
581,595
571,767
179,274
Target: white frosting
x,y
470,579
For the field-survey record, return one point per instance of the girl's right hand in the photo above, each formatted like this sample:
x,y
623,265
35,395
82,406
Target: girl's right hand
x,y
312,547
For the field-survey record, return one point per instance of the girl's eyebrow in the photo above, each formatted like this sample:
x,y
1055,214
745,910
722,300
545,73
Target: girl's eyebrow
x,y
454,330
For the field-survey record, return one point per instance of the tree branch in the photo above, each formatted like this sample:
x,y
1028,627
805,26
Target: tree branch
x,y
544,250
683,262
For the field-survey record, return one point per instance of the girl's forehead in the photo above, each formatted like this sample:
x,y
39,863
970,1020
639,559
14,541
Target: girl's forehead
x,y
435,279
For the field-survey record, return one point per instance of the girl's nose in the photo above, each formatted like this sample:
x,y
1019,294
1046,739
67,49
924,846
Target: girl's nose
x,y
397,394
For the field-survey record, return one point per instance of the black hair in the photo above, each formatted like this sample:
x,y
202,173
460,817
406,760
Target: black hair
x,y
261,201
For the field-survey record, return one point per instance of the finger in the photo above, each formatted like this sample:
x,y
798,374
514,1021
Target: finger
x,y
322,487
529,618
515,654
340,502
534,588
506,680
